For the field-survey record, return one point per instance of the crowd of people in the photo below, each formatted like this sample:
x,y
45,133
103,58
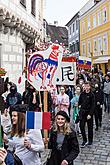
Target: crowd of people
x,y
71,108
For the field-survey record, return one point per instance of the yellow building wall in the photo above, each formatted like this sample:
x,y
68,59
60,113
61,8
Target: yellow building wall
x,y
97,31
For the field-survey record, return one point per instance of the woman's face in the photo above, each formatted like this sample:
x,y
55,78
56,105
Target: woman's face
x,y
14,117
60,120
78,90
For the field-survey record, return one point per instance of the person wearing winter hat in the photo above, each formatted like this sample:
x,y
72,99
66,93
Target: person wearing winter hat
x,y
62,141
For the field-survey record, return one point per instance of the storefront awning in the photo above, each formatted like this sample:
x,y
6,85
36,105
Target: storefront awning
x,y
101,60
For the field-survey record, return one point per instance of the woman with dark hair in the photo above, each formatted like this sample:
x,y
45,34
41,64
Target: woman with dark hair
x,y
7,90
63,141
27,144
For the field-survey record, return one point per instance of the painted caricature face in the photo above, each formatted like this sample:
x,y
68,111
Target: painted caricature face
x,y
60,121
14,117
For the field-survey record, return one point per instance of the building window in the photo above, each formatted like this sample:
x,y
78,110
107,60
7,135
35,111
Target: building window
x,y
99,44
95,45
33,7
76,46
99,18
94,21
73,27
83,27
70,30
89,24
23,2
105,42
76,24
89,48
104,15
83,49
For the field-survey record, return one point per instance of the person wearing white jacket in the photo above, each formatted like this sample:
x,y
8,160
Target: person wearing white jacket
x,y
27,144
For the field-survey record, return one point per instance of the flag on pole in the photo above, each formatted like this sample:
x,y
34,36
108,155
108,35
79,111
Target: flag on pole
x,y
37,120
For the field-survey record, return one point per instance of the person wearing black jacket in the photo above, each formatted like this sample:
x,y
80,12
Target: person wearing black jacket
x,y
87,105
98,106
63,142
31,98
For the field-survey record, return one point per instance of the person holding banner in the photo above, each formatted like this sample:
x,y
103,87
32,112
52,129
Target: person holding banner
x,y
27,143
62,141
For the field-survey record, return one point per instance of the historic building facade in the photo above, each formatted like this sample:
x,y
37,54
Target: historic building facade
x,y
21,25
95,34
73,35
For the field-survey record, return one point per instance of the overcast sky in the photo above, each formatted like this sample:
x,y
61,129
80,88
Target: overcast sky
x,y
62,10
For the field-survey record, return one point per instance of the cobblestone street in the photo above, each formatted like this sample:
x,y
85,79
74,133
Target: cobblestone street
x,y
99,152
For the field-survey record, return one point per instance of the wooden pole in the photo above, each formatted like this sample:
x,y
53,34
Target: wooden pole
x,y
46,110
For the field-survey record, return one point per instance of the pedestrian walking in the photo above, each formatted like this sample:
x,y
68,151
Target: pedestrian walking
x,y
75,109
62,101
106,90
86,105
63,141
98,106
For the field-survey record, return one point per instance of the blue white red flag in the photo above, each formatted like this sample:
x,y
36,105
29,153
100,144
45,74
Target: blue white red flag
x,y
37,120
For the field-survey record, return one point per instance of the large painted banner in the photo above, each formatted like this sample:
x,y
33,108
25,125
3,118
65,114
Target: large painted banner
x,y
46,69
66,73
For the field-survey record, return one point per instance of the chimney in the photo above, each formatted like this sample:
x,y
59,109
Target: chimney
x,y
55,23
96,1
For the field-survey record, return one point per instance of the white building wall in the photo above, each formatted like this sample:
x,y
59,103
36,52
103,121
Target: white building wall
x,y
13,48
24,13
12,57
86,7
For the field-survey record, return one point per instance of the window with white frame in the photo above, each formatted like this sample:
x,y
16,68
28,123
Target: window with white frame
x,y
89,24
109,11
105,42
83,27
76,25
83,49
99,44
99,18
89,48
73,27
70,30
95,45
104,15
33,7
94,21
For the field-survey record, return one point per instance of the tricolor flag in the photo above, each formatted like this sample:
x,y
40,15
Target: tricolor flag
x,y
37,120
